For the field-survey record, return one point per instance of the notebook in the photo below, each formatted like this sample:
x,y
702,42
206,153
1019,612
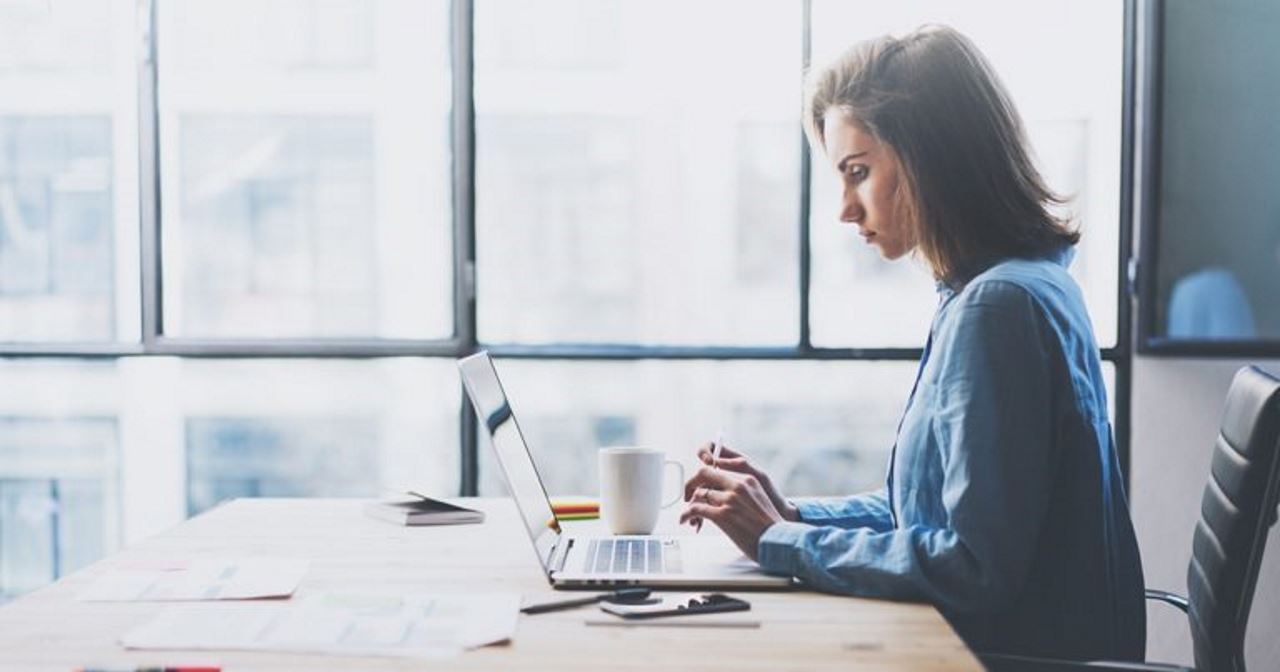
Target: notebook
x,y
416,509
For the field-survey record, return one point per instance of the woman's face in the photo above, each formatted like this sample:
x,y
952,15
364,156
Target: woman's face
x,y
868,171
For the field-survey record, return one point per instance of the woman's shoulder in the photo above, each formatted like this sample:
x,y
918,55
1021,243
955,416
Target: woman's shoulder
x,y
1025,283
1037,292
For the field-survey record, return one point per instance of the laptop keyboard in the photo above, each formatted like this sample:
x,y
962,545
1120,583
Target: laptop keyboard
x,y
631,556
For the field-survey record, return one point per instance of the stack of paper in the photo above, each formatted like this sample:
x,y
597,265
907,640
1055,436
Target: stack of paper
x,y
416,509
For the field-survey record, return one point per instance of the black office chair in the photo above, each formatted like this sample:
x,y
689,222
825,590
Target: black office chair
x,y
1236,511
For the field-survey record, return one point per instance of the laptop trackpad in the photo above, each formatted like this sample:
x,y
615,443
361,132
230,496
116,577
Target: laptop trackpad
x,y
714,554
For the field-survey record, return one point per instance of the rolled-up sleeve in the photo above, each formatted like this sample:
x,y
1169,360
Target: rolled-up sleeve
x,y
989,416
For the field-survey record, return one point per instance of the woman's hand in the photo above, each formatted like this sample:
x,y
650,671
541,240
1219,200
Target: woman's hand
x,y
732,460
739,498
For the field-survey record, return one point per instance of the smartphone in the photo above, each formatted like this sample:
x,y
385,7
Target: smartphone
x,y
681,604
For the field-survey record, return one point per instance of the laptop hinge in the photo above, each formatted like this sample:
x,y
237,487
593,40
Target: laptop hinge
x,y
559,557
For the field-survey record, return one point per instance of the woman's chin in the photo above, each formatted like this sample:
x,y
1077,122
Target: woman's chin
x,y
893,253
889,253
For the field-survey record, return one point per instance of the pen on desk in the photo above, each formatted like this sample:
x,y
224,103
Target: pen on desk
x,y
622,596
715,460
670,623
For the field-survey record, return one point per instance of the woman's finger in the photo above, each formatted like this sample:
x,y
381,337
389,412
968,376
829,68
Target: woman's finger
x,y
737,464
705,453
710,496
701,510
713,497
708,477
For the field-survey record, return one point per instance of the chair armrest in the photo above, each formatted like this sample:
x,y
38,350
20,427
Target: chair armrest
x,y
1169,598
1003,663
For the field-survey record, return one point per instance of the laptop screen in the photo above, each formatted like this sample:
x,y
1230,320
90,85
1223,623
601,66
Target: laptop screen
x,y
491,405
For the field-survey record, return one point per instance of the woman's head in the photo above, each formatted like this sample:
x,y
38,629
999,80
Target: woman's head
x,y
931,153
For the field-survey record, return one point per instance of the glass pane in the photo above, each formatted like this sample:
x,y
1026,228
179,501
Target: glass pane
x,y
637,190
68,172
97,454
1218,208
1070,101
232,457
818,427
59,470
317,428
305,166
1109,379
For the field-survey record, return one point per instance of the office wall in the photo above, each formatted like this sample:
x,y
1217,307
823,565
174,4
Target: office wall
x,y
1176,405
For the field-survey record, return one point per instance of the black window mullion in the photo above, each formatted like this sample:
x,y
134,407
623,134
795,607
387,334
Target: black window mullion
x,y
149,177
463,141
71,350
1123,355
304,348
806,52
617,352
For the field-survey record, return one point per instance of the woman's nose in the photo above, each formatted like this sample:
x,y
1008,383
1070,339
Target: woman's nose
x,y
851,208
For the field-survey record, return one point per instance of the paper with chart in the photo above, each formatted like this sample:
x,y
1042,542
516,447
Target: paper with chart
x,y
411,626
223,579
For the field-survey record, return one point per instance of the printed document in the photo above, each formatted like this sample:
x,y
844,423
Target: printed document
x,y
410,626
225,579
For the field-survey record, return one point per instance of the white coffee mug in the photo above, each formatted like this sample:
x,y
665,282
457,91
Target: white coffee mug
x,y
631,488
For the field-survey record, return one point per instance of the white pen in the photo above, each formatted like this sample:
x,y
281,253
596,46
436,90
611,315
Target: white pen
x,y
715,461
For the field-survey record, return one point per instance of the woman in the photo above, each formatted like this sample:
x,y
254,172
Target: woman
x,y
1003,504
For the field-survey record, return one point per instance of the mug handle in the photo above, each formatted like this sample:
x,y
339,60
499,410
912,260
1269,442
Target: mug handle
x,y
679,483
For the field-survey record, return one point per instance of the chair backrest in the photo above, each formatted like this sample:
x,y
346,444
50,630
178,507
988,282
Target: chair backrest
x,y
1236,511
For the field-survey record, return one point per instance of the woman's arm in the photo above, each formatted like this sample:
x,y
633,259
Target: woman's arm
x,y
992,421
869,509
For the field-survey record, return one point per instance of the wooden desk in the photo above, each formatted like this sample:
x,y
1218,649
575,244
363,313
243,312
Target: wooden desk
x,y
49,630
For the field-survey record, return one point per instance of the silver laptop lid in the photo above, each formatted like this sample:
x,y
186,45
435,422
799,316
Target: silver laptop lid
x,y
491,405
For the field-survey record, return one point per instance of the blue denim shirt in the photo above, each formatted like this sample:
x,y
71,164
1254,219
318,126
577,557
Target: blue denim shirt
x,y
1004,505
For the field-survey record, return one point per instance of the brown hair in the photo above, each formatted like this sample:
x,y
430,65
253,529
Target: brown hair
x,y
973,194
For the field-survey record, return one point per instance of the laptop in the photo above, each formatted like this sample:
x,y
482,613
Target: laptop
x,y
709,560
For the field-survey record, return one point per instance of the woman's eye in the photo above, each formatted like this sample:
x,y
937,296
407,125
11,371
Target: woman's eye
x,y
857,173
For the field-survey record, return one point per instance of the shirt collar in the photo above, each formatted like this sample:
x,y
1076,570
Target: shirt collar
x,y
1063,255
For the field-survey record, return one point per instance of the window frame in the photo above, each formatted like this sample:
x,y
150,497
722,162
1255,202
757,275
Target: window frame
x,y
464,339
1143,271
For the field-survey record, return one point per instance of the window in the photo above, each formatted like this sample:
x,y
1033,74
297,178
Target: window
x,y
305,169
1211,212
818,427
59,470
310,428
337,198
68,173
634,194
